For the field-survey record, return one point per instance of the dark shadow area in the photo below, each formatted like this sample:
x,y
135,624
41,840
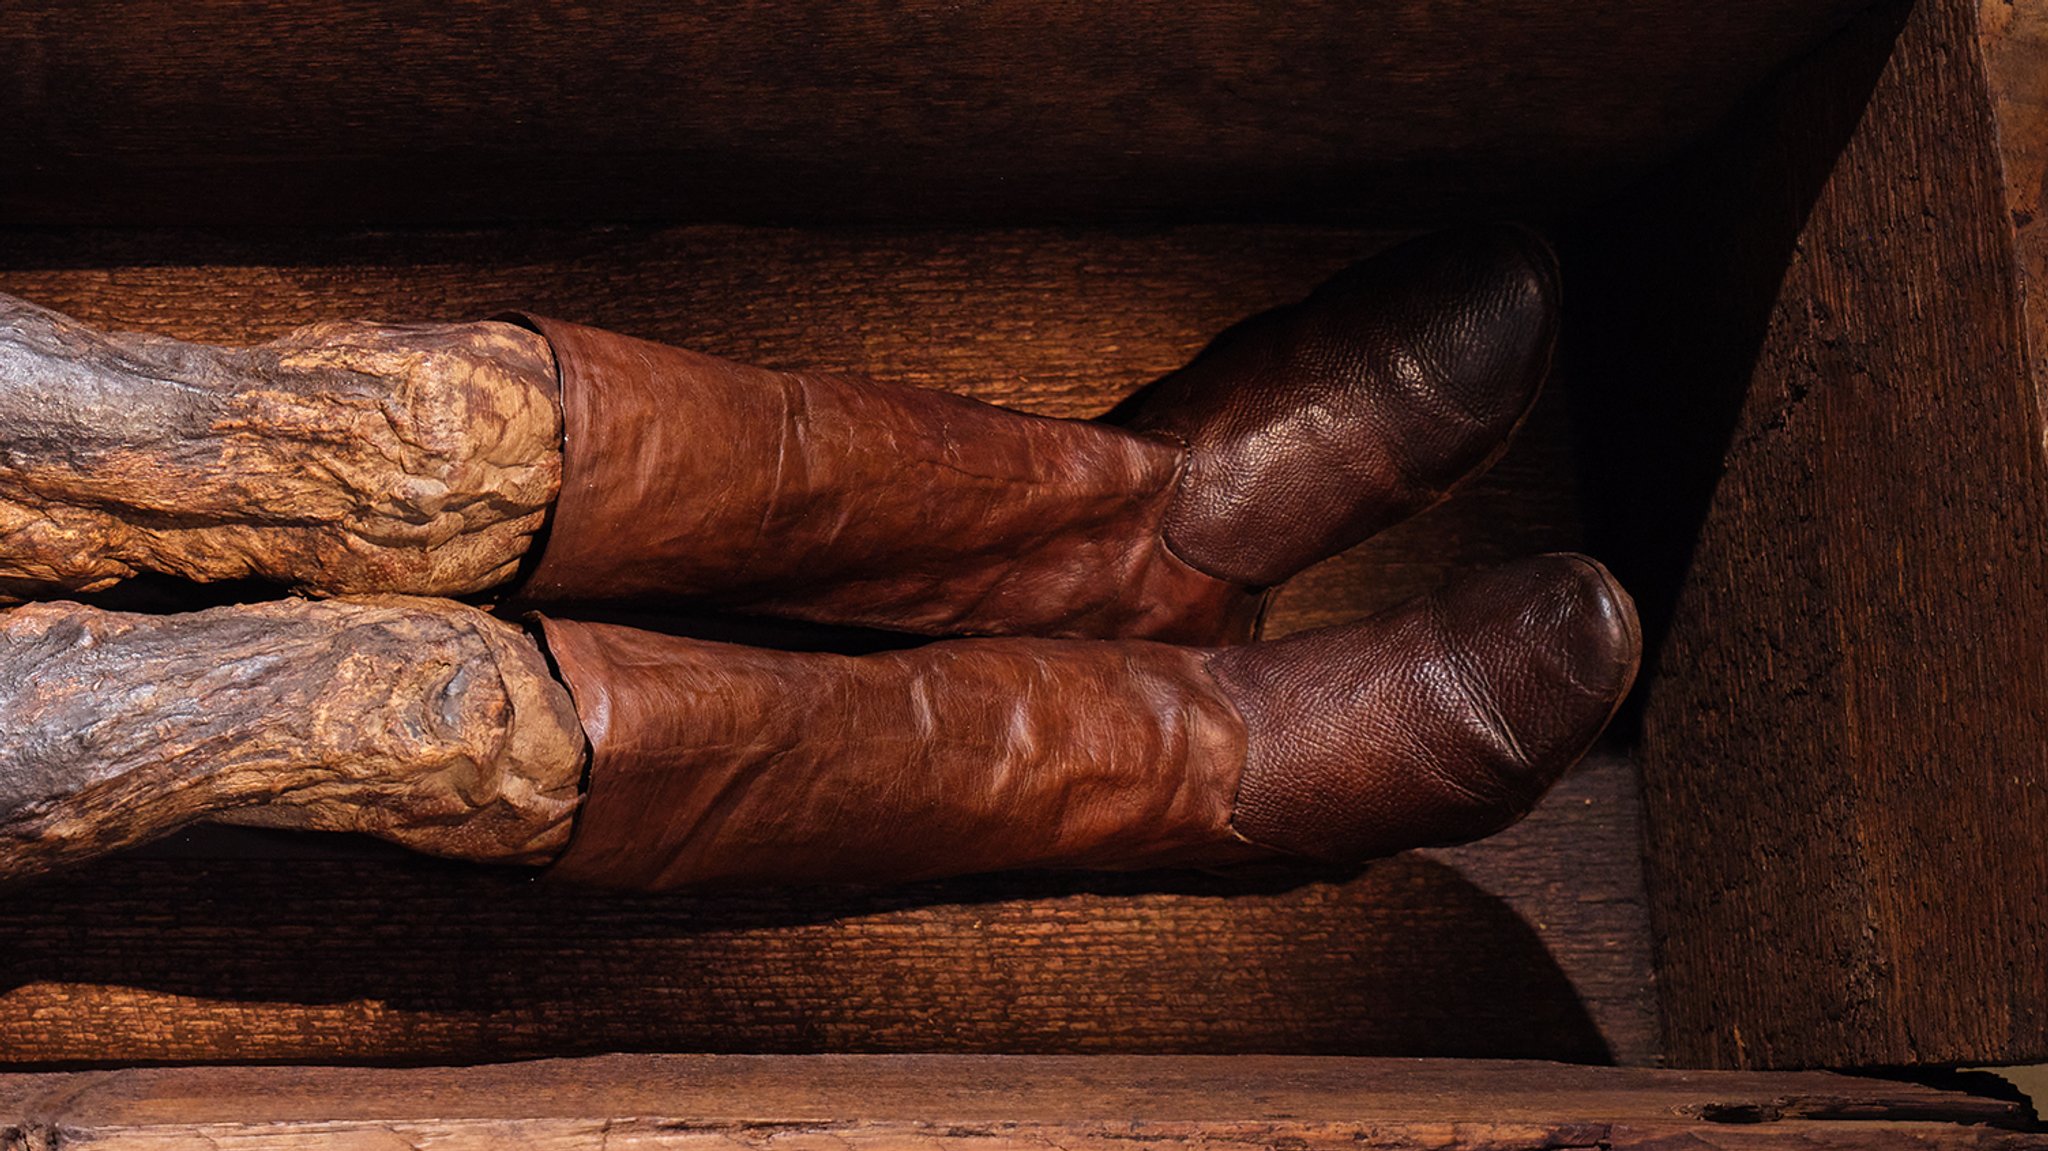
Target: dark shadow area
x,y
449,963
307,247
724,627
1670,291
1982,1083
154,594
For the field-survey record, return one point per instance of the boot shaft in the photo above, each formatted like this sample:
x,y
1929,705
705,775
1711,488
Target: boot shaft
x,y
848,501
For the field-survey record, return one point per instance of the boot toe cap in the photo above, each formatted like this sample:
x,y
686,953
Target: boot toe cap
x,y
1311,428
1439,722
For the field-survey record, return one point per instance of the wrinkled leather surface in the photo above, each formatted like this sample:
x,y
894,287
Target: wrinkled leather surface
x,y
718,764
1440,721
843,500
1315,426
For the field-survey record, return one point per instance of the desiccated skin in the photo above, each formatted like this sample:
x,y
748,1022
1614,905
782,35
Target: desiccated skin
x,y
424,722
414,458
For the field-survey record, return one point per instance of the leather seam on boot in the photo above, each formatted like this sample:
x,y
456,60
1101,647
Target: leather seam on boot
x,y
537,547
1244,769
1165,537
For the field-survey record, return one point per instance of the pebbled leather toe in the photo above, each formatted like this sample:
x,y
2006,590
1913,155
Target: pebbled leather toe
x,y
1312,427
1440,721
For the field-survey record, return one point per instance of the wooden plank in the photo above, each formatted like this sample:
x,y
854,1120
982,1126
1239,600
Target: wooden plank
x,y
1824,399
1531,945
994,1102
1573,873
2012,36
387,111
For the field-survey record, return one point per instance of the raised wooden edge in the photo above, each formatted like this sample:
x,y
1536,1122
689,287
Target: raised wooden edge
x,y
983,1101
395,111
1831,484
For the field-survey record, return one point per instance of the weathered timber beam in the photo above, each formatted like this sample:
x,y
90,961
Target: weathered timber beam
x,y
911,113
683,1101
1812,356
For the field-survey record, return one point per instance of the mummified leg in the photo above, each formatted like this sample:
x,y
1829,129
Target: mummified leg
x,y
431,724
357,458
832,498
344,457
421,721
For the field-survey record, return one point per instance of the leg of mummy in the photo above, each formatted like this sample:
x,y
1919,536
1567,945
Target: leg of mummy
x,y
424,722
345,456
354,458
441,728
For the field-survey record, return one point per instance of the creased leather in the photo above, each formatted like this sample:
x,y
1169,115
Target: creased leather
x,y
1315,426
1439,721
718,764
843,500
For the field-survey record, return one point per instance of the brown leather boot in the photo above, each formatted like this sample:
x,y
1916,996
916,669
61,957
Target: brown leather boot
x,y
365,458
442,728
841,500
1437,722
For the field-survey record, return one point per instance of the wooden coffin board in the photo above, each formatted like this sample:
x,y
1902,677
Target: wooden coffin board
x,y
398,111
1532,944
1822,382
681,1101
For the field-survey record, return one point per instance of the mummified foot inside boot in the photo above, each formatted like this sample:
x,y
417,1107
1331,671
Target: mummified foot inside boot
x,y
1443,720
1312,427
1440,721
362,458
343,457
441,728
841,500
420,721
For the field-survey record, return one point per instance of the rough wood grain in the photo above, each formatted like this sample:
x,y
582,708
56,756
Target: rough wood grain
x,y
421,721
416,458
2012,37
994,1102
1058,322
1839,497
388,111
1532,944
